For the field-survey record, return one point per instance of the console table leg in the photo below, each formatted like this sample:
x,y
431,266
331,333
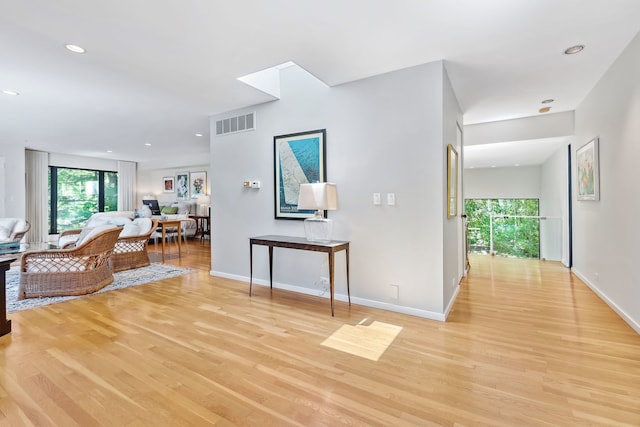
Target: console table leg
x,y
331,259
271,267
250,267
348,291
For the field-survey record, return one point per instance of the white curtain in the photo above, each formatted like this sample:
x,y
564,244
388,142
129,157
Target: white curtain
x,y
37,171
127,186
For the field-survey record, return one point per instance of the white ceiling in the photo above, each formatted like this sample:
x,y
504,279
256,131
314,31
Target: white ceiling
x,y
156,69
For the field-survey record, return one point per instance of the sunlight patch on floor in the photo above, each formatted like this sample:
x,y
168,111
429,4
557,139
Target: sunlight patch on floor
x,y
364,340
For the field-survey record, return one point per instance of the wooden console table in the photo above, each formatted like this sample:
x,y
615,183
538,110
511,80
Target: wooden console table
x,y
300,243
5,324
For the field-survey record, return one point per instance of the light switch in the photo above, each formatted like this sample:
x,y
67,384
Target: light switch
x,y
376,198
391,199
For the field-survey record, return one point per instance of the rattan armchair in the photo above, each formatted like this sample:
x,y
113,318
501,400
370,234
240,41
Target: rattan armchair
x,y
131,252
77,271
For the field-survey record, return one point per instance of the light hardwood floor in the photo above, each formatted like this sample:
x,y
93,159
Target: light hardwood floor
x,y
526,344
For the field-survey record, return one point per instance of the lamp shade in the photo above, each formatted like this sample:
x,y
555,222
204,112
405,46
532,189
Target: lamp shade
x,y
318,196
203,199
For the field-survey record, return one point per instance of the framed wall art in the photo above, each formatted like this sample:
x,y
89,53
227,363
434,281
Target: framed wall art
x,y
299,158
168,184
198,185
588,171
452,182
182,185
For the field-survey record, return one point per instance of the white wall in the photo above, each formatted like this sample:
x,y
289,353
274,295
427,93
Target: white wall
x,y
15,204
554,197
453,240
80,162
506,183
535,127
384,134
2,178
606,233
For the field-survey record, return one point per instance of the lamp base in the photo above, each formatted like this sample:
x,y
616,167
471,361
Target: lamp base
x,y
318,229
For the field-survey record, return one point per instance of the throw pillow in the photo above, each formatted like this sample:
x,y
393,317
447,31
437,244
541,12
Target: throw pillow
x,y
144,224
92,232
6,227
130,229
169,210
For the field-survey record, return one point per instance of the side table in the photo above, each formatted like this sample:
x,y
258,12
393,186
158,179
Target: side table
x,y
202,228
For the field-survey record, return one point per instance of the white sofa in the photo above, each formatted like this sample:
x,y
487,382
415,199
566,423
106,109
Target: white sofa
x,y
13,229
182,209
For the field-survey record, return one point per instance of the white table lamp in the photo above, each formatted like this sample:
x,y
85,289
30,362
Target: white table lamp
x,y
319,196
204,201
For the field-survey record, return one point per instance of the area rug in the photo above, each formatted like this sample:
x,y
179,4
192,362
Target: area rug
x,y
123,279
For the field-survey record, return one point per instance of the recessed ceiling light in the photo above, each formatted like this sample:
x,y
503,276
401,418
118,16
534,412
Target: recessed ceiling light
x,y
10,92
147,144
198,134
544,110
109,151
574,49
74,48
547,101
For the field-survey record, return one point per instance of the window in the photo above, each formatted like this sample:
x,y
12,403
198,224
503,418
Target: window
x,y
76,194
507,227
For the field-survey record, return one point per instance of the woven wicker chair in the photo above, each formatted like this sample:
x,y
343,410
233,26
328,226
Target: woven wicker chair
x,y
77,271
131,252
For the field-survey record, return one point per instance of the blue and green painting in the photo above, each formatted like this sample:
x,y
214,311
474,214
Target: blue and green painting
x,y
299,164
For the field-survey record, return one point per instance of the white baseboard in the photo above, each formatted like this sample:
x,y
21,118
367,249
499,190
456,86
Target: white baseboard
x,y
634,325
341,297
451,302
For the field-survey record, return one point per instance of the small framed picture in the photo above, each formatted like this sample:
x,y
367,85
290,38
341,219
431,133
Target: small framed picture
x,y
198,184
182,185
168,184
588,171
452,182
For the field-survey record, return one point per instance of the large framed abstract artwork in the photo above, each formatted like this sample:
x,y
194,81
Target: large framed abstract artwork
x,y
299,158
588,171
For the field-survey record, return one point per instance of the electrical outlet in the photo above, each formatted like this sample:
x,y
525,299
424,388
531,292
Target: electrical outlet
x,y
376,198
391,199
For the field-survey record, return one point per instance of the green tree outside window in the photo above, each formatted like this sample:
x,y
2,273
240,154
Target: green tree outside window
x,y
517,237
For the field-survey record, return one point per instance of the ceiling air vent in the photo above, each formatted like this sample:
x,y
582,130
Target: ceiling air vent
x,y
236,124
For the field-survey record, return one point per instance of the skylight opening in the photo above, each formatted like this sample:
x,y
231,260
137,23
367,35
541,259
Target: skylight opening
x,y
268,80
